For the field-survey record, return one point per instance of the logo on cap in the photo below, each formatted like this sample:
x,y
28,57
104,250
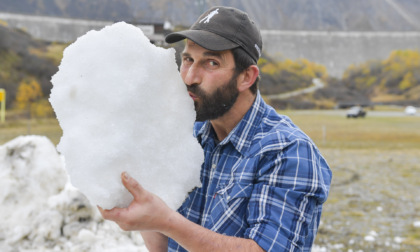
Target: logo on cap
x,y
258,49
209,16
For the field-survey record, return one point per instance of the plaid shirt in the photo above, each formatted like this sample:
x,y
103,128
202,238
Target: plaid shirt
x,y
265,181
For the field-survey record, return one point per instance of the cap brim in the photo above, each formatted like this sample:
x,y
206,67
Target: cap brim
x,y
205,39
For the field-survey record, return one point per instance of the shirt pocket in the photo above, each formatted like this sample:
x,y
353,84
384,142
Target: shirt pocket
x,y
234,191
230,213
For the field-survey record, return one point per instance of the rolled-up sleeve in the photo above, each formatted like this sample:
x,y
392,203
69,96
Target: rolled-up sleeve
x,y
285,206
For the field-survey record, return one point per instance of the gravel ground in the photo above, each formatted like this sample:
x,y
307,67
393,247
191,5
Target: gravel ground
x,y
374,202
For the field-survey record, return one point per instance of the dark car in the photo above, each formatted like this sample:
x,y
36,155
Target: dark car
x,y
355,112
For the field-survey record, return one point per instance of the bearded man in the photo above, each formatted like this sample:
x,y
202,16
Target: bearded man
x,y
263,180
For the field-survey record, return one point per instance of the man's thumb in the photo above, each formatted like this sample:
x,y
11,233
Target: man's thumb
x,y
131,185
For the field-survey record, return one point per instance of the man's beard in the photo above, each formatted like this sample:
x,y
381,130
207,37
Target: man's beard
x,y
214,105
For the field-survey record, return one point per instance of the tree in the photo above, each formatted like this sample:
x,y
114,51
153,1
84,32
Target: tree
x,y
29,92
396,77
408,81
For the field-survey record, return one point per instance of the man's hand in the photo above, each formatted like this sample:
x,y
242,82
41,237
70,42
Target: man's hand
x,y
146,212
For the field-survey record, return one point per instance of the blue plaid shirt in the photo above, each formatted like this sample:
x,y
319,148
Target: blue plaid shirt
x,y
265,181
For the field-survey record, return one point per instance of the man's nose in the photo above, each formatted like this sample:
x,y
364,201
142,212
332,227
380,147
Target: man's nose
x,y
192,75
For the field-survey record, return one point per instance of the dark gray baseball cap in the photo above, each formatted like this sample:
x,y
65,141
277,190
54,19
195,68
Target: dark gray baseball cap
x,y
223,28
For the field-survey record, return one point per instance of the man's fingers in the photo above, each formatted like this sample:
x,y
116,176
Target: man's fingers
x,y
104,213
131,185
110,214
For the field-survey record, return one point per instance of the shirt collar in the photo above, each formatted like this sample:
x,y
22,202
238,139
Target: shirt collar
x,y
241,136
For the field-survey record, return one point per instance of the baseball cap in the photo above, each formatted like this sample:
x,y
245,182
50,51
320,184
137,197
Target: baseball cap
x,y
223,28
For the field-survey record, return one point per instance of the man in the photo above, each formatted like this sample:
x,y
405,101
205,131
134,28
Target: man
x,y
263,180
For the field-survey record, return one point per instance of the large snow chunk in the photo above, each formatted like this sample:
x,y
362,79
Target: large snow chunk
x,y
123,106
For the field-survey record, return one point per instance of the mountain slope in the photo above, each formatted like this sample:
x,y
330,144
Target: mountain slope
x,y
20,60
333,15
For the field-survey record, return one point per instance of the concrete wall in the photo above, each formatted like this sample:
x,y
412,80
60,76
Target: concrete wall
x,y
335,50
62,29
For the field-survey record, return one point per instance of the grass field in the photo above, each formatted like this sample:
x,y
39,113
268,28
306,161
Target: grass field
x,y
331,129
328,129
374,202
46,127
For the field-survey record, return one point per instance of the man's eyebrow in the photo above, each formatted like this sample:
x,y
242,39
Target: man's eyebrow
x,y
213,54
185,54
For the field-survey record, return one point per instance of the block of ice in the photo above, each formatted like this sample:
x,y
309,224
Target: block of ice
x,y
123,106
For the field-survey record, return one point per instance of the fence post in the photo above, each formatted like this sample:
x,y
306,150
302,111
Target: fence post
x,y
3,105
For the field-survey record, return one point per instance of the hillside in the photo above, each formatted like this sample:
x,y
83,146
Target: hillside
x,y
393,81
315,15
23,59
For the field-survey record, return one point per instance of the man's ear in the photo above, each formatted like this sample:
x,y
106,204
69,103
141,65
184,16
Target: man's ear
x,y
248,77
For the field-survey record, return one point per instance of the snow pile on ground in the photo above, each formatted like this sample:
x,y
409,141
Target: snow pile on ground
x,y
41,211
123,106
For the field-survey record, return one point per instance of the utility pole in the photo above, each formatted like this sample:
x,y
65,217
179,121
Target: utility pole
x,y
3,105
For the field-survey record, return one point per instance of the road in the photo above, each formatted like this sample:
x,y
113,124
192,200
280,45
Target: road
x,y
317,84
369,113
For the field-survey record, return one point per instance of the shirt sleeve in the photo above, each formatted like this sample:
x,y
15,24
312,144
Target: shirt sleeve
x,y
285,205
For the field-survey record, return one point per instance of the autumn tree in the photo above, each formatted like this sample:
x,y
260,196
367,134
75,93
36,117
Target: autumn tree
x,y
396,78
289,75
29,96
29,91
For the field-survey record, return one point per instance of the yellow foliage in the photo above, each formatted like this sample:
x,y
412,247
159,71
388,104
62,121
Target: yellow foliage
x,y
29,91
3,23
399,71
262,61
53,52
269,69
401,61
407,82
348,72
301,67
42,108
405,57
29,96
371,80
8,60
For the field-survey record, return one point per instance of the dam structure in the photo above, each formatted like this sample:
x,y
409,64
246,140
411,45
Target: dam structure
x,y
335,50
55,29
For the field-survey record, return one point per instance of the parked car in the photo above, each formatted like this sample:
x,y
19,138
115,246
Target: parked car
x,y
410,110
355,112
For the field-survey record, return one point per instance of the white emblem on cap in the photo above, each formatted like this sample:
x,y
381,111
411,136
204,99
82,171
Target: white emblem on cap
x,y
258,49
209,16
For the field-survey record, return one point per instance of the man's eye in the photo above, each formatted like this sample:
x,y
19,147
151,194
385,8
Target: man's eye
x,y
187,59
212,63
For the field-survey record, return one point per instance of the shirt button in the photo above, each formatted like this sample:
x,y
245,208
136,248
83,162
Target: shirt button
x,y
213,166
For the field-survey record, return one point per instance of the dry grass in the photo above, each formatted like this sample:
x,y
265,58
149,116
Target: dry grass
x,y
334,130
375,163
329,130
373,191
53,52
17,125
376,166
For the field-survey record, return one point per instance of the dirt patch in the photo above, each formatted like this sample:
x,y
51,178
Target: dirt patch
x,y
374,201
